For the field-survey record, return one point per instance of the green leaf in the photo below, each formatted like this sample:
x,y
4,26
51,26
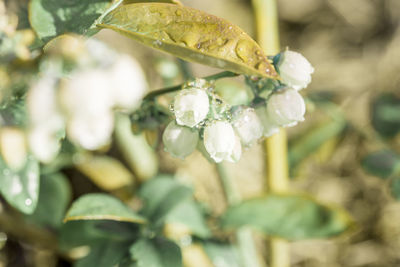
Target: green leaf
x,y
51,18
382,163
386,115
82,233
192,35
222,254
160,196
101,207
189,214
21,188
105,254
157,252
54,197
293,217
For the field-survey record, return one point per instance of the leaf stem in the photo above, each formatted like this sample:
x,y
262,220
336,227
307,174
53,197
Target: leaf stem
x,y
246,246
155,93
276,146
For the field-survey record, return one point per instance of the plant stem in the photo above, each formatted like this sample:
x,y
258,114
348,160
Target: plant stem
x,y
276,146
244,235
155,93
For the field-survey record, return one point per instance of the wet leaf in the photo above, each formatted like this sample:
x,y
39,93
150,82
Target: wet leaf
x,y
382,163
50,18
192,35
101,207
21,188
293,217
54,197
158,252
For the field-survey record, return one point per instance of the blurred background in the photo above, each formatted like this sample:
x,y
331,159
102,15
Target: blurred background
x,y
354,46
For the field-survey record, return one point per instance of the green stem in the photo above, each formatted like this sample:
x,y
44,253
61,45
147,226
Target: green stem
x,y
246,246
155,93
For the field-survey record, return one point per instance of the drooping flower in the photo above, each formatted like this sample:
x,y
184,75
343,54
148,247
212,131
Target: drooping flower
x,y
128,83
191,106
219,140
294,69
286,108
269,127
247,125
45,120
179,140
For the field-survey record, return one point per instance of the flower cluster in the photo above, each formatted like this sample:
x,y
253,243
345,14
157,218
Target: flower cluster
x,y
81,103
204,121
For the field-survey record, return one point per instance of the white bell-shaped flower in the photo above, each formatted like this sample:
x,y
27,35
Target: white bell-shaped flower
x,y
237,151
180,141
286,108
219,140
86,93
247,125
45,119
269,127
128,83
13,147
91,132
191,106
294,69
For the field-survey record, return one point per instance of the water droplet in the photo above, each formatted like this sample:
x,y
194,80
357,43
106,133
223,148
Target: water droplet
x,y
178,12
242,50
157,43
28,201
230,28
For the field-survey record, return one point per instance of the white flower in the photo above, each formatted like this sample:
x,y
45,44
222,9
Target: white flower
x,y
180,141
128,83
294,69
237,151
247,125
46,121
286,108
269,127
91,132
13,147
191,106
86,93
44,142
219,140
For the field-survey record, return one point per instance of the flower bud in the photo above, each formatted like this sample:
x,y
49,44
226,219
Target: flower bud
x,y
219,140
180,141
294,69
191,106
13,147
247,125
269,127
286,108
